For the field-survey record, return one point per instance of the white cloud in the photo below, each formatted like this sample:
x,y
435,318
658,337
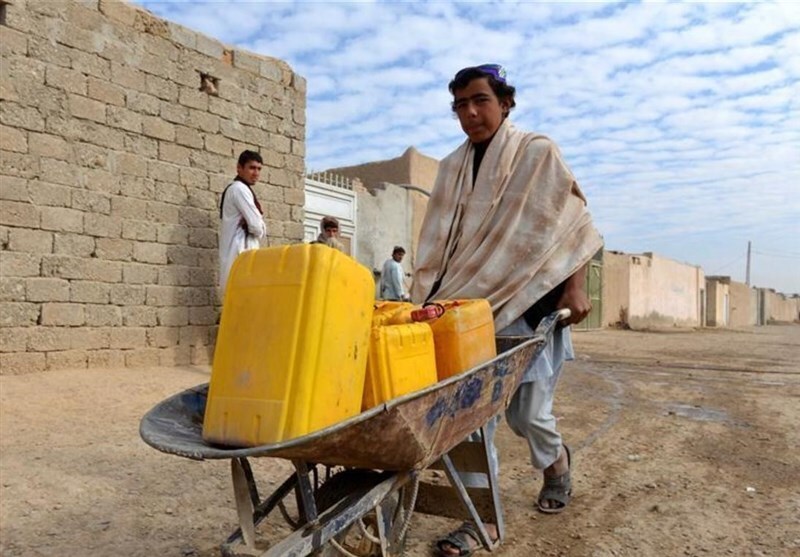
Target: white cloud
x,y
680,120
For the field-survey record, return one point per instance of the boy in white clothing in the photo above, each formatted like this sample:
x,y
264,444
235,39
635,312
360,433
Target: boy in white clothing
x,y
392,287
242,223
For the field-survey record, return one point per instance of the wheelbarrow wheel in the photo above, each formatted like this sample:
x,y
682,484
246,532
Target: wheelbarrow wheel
x,y
362,538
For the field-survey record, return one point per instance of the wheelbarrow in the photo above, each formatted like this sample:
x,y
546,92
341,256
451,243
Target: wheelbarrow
x,y
356,483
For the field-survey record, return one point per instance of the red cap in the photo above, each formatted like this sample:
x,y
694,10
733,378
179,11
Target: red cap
x,y
427,313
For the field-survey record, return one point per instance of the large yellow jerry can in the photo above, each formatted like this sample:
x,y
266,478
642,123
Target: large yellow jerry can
x,y
401,360
292,345
463,336
384,311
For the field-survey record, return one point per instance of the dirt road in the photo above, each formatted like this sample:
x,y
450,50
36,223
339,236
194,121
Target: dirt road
x,y
685,443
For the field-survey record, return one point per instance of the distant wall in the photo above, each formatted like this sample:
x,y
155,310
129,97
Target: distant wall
x,y
780,308
646,290
616,289
718,302
664,292
112,159
742,299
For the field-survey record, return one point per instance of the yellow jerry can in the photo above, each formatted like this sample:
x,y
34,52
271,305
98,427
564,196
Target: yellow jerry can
x,y
401,360
292,345
463,336
385,310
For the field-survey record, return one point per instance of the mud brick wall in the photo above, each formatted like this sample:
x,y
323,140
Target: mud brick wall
x,y
118,132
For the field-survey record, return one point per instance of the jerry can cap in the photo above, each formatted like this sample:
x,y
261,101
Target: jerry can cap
x,y
428,312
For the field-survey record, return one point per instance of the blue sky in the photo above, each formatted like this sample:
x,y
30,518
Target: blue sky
x,y
680,121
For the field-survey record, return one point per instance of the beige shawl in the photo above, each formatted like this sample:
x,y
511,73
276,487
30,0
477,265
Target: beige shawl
x,y
522,230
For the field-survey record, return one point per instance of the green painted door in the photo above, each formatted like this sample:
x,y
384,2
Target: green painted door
x,y
594,289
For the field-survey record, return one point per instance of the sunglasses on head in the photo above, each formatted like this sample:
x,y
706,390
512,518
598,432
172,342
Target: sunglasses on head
x,y
495,70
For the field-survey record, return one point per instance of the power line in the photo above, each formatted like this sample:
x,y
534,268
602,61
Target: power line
x,y
726,265
784,255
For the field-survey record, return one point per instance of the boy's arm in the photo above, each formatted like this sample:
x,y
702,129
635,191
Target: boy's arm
x,y
401,287
397,282
243,201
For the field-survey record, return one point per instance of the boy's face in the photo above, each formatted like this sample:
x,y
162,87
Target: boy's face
x,y
331,231
249,172
479,110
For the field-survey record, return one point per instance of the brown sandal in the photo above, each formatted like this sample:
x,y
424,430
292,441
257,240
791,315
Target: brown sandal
x,y
459,540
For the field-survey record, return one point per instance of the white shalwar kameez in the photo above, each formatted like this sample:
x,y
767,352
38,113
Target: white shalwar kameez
x,y
238,205
392,281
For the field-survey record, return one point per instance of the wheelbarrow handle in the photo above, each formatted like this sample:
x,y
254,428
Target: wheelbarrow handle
x,y
547,325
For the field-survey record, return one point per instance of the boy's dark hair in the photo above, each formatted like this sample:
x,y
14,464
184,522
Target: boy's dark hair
x,y
329,222
399,249
502,90
248,156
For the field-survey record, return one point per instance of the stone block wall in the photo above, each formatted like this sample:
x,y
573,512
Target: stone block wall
x,y
118,131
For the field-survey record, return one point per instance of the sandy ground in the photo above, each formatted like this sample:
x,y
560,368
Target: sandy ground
x,y
685,443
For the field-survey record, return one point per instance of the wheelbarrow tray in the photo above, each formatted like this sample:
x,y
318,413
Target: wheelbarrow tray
x,y
406,433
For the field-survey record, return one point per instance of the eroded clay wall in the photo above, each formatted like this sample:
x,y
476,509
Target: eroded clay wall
x,y
616,289
664,292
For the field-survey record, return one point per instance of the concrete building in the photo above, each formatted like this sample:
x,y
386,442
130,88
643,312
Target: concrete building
x,y
645,290
384,181
386,218
118,131
718,302
731,304
734,304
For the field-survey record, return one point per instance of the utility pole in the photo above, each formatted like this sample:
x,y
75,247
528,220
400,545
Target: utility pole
x,y
747,273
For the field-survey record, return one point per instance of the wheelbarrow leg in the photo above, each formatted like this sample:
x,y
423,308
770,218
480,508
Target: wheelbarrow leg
x,y
245,492
490,454
231,547
309,510
477,453
458,485
381,524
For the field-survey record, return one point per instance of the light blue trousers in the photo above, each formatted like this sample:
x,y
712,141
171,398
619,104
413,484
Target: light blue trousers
x,y
530,413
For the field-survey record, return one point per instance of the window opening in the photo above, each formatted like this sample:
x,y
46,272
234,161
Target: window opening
x,y
209,84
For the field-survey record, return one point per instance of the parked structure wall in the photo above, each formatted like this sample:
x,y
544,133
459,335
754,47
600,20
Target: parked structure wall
x,y
646,290
112,161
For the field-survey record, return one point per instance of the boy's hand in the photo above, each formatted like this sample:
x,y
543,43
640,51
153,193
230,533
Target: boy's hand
x,y
575,298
